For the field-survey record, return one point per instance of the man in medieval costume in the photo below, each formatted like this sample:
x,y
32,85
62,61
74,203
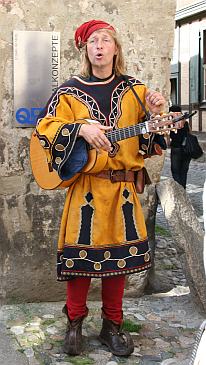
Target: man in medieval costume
x,y
103,233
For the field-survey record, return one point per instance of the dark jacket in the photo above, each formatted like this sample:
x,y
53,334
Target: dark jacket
x,y
177,138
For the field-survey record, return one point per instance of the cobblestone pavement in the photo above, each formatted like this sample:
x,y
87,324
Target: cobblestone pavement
x,y
163,325
163,331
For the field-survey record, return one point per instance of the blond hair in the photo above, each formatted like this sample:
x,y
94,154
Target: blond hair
x,y
118,61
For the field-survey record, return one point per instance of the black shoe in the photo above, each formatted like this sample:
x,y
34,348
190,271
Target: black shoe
x,y
119,342
73,342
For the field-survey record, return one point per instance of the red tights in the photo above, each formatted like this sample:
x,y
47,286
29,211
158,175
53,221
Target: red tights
x,y
112,294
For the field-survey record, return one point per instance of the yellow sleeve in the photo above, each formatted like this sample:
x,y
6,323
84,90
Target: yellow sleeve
x,y
57,131
55,116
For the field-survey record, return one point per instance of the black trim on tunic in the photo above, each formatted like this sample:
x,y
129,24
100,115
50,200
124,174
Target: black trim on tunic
x,y
101,262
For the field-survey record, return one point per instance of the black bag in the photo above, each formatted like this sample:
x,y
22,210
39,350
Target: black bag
x,y
191,146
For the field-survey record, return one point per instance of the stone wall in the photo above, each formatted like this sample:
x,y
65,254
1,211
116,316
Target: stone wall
x,y
29,218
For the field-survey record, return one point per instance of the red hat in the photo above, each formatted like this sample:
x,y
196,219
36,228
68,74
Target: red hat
x,y
84,31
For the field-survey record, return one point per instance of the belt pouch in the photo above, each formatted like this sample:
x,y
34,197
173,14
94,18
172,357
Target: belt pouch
x,y
142,179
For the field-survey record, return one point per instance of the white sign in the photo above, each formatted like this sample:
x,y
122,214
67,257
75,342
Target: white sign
x,y
36,73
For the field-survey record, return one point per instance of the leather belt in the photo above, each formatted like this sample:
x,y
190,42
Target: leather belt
x,y
116,175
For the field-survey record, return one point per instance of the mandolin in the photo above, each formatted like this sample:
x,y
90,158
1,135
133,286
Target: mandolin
x,y
48,179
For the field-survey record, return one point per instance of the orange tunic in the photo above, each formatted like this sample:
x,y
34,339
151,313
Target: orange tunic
x,y
102,230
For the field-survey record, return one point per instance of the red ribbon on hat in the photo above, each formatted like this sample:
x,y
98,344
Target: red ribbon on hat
x,y
84,31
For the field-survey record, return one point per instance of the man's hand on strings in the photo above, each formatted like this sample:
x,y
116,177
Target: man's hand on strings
x,y
94,135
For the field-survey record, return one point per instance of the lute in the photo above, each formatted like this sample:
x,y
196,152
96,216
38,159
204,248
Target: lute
x,y
96,162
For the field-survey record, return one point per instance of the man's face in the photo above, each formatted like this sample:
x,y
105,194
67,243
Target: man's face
x,y
101,49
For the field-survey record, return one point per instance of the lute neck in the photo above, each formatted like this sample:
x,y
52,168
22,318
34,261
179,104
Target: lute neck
x,y
127,132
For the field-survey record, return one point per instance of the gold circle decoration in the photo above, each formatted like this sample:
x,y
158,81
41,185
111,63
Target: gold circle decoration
x,y
133,250
42,142
65,132
58,160
121,263
144,147
107,255
147,257
146,135
83,254
59,147
97,266
69,263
